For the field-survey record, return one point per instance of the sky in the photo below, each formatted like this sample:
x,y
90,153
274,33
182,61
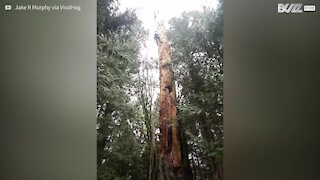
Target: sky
x,y
166,9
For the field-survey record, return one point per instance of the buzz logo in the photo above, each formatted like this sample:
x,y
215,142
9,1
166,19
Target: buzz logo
x,y
290,8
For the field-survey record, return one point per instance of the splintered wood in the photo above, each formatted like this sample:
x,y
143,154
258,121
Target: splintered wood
x,y
169,129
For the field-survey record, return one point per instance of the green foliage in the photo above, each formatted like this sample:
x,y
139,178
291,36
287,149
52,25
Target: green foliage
x,y
120,148
197,54
126,111
109,19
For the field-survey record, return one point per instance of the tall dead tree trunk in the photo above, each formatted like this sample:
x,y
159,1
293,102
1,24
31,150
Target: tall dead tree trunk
x,y
170,150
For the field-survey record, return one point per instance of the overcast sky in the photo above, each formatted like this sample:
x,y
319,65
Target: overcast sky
x,y
166,9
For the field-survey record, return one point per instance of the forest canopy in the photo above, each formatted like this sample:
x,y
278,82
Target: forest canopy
x,y
128,143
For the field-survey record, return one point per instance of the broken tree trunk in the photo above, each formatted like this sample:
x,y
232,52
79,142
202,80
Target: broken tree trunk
x,y
170,151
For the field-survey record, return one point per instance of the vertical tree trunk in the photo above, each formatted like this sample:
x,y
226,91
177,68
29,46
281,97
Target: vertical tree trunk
x,y
170,151
152,164
218,170
194,169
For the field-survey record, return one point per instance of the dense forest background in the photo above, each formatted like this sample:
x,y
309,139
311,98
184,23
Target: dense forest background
x,y
128,107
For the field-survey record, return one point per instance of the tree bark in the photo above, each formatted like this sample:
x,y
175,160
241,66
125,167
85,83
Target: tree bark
x,y
170,150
